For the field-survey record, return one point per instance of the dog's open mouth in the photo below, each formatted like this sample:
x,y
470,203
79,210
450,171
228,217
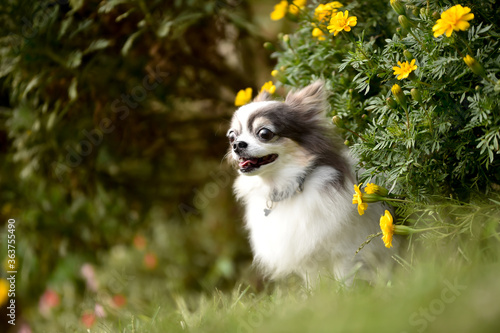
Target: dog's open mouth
x,y
250,164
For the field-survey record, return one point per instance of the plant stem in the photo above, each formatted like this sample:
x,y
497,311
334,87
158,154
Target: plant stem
x,y
359,136
423,83
427,229
428,114
356,46
369,239
459,53
407,119
396,200
466,44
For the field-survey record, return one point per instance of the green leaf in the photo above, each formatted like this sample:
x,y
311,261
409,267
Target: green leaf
x,y
76,4
74,59
97,45
128,44
72,90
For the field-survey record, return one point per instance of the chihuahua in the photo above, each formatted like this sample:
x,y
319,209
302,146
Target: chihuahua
x,y
296,182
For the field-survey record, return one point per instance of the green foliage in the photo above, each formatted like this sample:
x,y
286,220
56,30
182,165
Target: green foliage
x,y
108,113
446,143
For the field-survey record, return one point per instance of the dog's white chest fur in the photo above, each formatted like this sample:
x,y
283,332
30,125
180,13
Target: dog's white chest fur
x,y
314,230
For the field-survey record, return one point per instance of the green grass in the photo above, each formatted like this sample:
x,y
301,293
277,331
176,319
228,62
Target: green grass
x,y
443,292
447,284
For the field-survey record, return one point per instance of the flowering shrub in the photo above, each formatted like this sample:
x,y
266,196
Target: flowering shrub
x,y
414,89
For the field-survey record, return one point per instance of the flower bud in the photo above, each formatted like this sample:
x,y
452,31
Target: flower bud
x,y
286,39
415,94
497,86
368,198
279,76
415,11
282,78
474,66
399,95
398,7
408,55
347,142
404,22
391,103
424,11
469,60
402,230
338,122
269,46
372,188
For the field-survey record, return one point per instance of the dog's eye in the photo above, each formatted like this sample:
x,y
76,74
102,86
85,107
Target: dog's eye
x,y
231,136
265,134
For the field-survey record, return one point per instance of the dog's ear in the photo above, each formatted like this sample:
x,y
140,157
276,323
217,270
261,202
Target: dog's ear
x,y
311,99
263,96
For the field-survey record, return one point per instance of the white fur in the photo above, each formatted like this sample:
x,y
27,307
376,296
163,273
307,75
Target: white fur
x,y
311,231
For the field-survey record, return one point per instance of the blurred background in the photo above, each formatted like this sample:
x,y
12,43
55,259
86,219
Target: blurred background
x,y
113,115
112,137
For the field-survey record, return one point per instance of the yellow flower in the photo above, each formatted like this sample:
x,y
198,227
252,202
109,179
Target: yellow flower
x,y
279,10
475,67
4,291
274,73
323,12
282,8
269,87
243,97
342,21
296,6
396,89
357,198
405,69
454,18
318,33
387,228
399,95
372,188
469,61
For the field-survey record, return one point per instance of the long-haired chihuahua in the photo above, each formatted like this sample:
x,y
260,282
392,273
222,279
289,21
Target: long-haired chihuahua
x,y
296,181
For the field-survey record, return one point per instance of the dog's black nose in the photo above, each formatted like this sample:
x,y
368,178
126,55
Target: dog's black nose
x,y
239,145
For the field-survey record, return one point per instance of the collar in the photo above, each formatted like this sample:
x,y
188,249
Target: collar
x,y
280,195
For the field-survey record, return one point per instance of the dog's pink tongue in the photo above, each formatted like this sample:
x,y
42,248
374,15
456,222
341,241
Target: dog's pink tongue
x,y
247,162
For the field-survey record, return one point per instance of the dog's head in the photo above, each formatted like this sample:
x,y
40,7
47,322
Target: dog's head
x,y
269,136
